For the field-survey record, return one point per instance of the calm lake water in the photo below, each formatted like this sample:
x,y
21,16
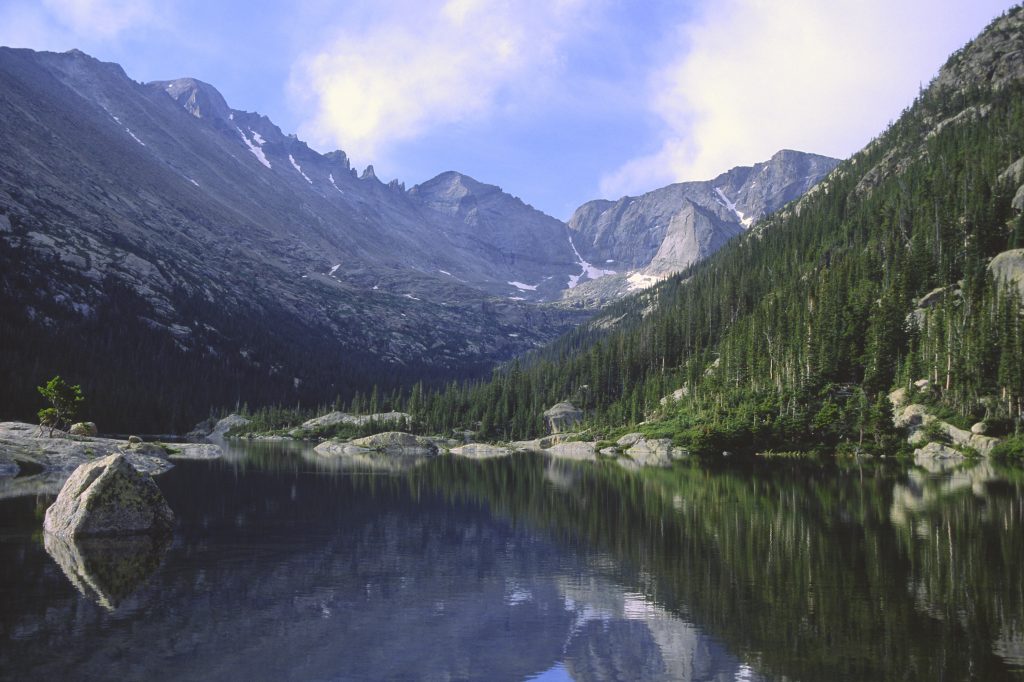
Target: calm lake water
x,y
284,567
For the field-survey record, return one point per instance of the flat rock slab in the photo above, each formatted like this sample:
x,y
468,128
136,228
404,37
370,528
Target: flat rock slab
x,y
657,452
347,456
575,450
481,451
936,457
26,446
397,441
195,451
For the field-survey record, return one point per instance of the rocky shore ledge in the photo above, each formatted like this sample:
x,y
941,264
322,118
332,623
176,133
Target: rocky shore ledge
x,y
32,461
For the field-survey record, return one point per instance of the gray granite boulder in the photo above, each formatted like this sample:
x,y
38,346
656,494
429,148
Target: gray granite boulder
x,y
657,452
83,429
108,497
936,457
226,424
574,450
562,417
396,441
1008,267
481,451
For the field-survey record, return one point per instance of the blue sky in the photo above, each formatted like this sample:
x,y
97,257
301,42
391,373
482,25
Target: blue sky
x,y
556,101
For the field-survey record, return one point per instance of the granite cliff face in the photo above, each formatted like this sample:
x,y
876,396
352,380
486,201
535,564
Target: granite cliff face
x,y
209,237
662,232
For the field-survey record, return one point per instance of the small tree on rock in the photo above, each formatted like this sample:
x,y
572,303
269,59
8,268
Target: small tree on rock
x,y
64,401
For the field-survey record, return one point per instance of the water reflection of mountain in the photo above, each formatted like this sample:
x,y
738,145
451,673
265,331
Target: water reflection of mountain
x,y
508,568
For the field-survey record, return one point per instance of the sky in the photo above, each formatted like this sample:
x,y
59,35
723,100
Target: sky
x,y
556,101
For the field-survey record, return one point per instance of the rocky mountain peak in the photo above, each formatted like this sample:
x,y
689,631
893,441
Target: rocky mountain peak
x,y
995,57
200,99
451,187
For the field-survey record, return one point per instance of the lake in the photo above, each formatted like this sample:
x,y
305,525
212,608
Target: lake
x,y
286,566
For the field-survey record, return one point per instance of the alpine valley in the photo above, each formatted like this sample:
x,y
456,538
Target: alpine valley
x,y
173,254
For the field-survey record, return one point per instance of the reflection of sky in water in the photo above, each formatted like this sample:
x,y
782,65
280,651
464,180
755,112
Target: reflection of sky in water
x,y
287,566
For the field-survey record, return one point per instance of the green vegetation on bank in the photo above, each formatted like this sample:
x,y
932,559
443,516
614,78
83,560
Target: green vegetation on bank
x,y
792,335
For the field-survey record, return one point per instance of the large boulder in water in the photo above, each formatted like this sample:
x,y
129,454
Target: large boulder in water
x,y
108,496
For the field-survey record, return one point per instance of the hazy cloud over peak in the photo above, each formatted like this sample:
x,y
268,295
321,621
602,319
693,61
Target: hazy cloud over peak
x,y
389,75
752,77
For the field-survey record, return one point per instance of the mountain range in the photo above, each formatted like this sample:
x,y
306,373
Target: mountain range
x,y
208,236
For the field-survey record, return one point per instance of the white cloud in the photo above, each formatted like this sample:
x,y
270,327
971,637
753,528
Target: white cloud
x,y
405,67
756,76
101,18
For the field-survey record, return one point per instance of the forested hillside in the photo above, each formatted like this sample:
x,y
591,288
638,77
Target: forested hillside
x,y
794,333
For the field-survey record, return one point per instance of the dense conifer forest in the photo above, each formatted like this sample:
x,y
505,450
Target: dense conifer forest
x,y
793,335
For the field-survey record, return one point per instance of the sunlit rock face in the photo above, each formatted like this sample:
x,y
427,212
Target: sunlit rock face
x,y
648,237
108,497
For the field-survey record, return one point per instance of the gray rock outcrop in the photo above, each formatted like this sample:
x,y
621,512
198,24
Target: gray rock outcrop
x,y
1008,266
562,417
656,452
481,451
341,456
108,497
56,457
578,450
226,424
400,441
83,429
331,419
667,229
936,457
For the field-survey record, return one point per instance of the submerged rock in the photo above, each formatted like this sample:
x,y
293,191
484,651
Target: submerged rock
x,y
108,497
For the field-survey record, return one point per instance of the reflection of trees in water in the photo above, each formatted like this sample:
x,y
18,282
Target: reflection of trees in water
x,y
804,570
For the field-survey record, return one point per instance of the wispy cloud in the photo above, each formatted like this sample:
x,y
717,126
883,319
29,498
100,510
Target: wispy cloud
x,y
755,76
394,72
102,18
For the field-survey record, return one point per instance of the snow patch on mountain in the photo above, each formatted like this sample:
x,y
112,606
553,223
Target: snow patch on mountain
x,y
295,164
330,176
731,205
256,149
588,271
135,137
524,287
